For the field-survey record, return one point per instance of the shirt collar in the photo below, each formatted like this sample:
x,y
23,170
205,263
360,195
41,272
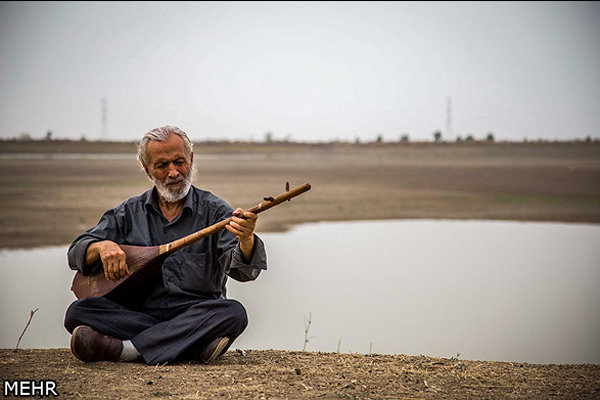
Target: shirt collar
x,y
151,202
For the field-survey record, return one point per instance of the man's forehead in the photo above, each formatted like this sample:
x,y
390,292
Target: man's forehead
x,y
173,146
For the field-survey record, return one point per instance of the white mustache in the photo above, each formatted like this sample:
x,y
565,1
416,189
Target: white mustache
x,y
170,181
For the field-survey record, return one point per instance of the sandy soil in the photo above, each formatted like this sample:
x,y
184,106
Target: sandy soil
x,y
302,375
48,201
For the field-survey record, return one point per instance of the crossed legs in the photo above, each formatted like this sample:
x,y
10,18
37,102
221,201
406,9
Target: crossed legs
x,y
162,335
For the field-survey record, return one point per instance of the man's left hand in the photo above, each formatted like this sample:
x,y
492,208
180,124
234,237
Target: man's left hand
x,y
242,225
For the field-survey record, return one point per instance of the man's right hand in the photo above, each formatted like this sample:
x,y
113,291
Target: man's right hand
x,y
112,256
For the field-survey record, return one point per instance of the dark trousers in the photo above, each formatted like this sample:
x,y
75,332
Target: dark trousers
x,y
162,335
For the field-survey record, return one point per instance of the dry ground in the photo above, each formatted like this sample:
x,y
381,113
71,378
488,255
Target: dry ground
x,y
299,375
48,201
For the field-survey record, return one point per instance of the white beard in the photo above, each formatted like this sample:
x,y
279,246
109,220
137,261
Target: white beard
x,y
176,193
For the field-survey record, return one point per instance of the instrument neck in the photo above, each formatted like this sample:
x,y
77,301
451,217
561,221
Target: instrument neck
x,y
202,233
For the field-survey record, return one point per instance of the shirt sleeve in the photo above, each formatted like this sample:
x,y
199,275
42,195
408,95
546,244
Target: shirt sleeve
x,y
107,228
231,259
243,271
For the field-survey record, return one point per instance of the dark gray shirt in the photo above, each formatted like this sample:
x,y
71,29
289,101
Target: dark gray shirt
x,y
198,271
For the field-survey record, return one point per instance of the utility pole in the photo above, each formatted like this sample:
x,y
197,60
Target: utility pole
x,y
104,129
449,119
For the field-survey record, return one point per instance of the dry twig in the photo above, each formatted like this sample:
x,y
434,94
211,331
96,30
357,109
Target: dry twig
x,y
26,326
306,329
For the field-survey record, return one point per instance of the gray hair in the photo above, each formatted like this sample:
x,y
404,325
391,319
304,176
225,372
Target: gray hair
x,y
160,135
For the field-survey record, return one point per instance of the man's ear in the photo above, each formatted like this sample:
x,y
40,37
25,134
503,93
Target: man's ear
x,y
147,172
192,158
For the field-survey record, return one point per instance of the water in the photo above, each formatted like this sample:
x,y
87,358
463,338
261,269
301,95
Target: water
x,y
508,291
31,279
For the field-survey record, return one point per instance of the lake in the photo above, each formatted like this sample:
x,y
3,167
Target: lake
x,y
488,290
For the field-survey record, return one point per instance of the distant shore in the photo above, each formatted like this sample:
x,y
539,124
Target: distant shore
x,y
46,200
8,145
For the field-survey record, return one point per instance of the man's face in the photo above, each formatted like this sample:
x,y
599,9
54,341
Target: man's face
x,y
169,167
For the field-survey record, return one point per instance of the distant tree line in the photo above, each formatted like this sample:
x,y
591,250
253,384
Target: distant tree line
x,y
403,138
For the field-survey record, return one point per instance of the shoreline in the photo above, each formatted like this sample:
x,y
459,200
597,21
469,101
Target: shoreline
x,y
284,228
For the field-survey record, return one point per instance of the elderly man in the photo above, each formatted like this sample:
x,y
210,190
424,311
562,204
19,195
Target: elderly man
x,y
186,315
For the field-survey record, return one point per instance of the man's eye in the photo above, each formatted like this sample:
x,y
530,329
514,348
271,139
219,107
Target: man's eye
x,y
162,165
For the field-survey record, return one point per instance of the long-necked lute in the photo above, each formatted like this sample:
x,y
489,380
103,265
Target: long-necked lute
x,y
144,262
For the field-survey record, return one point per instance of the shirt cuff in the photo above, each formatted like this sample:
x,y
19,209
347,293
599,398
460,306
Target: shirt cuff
x,y
259,256
77,256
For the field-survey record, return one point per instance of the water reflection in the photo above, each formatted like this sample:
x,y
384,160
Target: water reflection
x,y
487,290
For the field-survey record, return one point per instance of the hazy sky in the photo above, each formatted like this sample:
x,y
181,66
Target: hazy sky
x,y
307,71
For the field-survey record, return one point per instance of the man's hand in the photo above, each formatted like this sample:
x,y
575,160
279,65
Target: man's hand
x,y
242,225
113,259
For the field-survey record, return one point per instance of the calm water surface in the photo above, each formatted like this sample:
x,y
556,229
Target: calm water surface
x,y
507,291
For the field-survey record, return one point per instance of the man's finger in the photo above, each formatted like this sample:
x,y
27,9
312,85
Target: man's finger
x,y
242,222
243,219
122,269
108,269
237,227
114,269
232,230
244,229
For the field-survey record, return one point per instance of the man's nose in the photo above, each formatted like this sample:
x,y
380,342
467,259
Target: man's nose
x,y
173,173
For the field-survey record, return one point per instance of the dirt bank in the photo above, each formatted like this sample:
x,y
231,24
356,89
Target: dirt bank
x,y
299,375
48,196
